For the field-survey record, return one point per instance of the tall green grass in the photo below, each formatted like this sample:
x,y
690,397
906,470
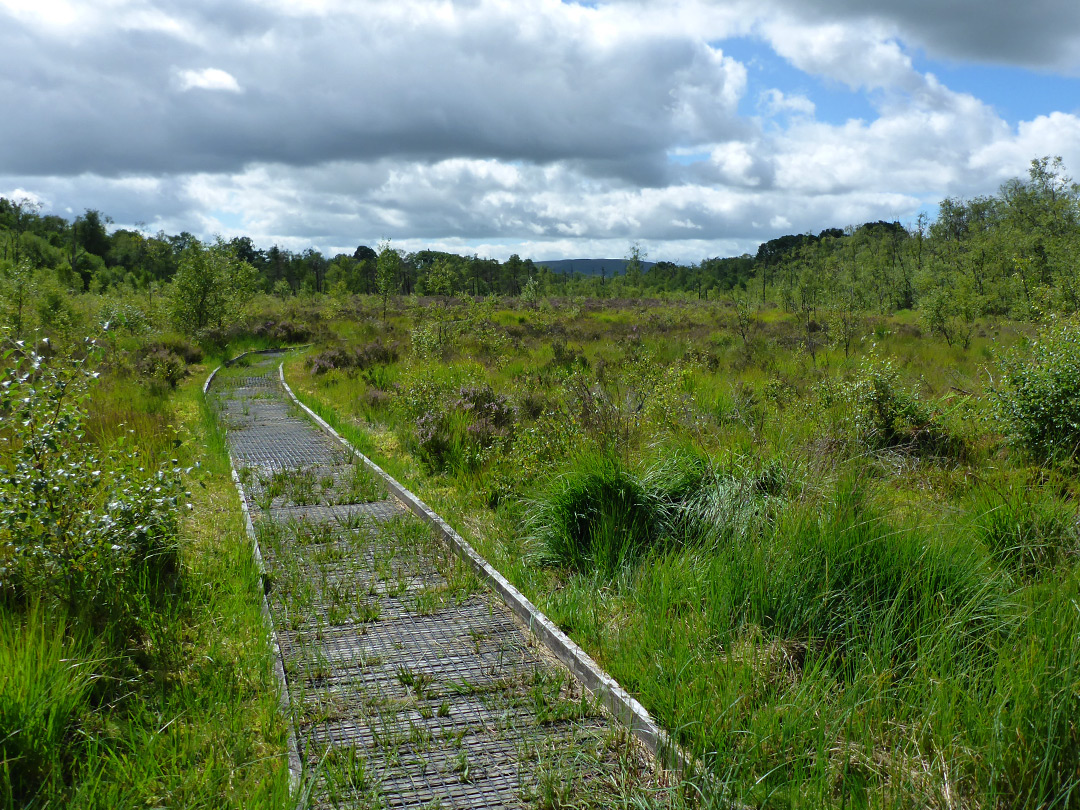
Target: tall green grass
x,y
598,516
46,692
836,590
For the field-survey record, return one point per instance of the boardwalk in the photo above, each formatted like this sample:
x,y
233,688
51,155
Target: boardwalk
x,y
410,684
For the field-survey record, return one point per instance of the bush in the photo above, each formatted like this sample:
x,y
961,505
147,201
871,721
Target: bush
x,y
123,317
567,357
160,367
163,363
464,434
363,357
1037,397
91,534
890,416
282,332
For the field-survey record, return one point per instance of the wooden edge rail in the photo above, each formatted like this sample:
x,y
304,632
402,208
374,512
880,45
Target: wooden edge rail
x,y
622,705
295,764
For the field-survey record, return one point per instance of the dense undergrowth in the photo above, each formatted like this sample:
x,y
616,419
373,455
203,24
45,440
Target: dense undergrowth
x,y
842,578
134,666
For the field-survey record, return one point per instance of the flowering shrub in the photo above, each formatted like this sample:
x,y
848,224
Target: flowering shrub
x,y
467,430
161,367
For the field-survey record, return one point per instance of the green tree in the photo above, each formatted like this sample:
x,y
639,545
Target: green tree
x,y
17,291
1041,223
210,288
387,270
635,263
17,216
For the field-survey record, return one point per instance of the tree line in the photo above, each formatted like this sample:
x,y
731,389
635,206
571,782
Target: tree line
x,y
1012,254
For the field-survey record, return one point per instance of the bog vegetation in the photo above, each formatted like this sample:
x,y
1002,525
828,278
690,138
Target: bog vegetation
x,y
815,507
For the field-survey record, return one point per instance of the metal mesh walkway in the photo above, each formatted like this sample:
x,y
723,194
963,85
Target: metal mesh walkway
x,y
411,685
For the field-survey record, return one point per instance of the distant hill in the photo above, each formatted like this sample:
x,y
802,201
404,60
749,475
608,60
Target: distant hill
x,y
591,267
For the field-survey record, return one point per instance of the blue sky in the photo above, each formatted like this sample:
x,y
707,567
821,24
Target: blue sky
x,y
834,103
550,129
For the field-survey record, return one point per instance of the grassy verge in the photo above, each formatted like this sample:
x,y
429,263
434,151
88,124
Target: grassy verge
x,y
166,698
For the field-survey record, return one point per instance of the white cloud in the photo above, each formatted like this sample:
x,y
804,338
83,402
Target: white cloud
x,y
1041,34
1057,134
22,195
776,102
861,57
208,79
43,13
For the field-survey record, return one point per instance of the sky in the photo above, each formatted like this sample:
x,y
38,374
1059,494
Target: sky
x,y
693,128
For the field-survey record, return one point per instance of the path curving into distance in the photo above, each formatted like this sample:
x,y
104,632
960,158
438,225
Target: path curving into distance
x,y
410,683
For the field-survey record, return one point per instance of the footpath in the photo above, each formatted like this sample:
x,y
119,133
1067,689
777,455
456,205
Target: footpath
x,y
409,683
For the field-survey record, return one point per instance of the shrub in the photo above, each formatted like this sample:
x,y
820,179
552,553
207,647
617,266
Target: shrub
x,y
1037,397
182,348
282,332
428,341
86,532
161,367
436,440
363,357
567,357
463,434
122,316
890,416
330,360
210,288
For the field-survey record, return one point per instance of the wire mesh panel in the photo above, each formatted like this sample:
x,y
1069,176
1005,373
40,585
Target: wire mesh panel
x,y
411,684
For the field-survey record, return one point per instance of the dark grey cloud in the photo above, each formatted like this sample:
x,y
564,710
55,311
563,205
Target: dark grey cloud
x,y
337,87
1042,34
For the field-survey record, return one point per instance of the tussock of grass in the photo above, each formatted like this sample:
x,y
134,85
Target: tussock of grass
x,y
597,516
1027,530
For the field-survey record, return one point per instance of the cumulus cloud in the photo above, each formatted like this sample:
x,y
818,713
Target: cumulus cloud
x,y
777,102
862,57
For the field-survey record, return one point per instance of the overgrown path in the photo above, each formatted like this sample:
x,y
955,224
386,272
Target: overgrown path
x,y
411,684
